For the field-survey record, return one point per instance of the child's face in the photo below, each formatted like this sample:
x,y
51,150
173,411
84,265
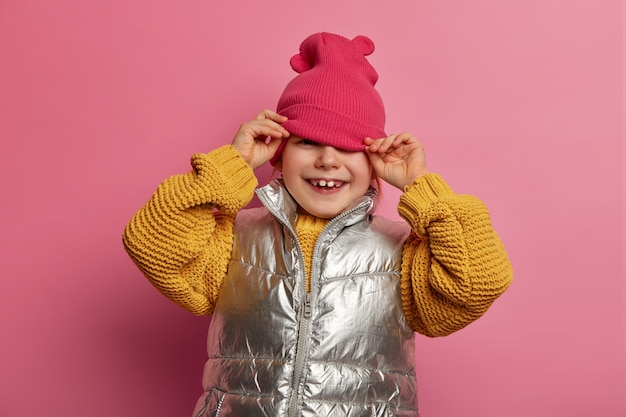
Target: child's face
x,y
322,179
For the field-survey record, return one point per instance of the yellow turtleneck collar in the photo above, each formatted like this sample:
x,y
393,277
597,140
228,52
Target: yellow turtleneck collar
x,y
308,228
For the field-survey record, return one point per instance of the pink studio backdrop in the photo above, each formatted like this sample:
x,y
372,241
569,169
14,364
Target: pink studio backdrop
x,y
518,102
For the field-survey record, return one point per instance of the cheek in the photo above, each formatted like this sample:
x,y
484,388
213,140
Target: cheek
x,y
362,167
286,164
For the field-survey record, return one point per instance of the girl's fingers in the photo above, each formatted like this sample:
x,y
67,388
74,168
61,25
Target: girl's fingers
x,y
271,115
398,141
265,114
381,145
265,127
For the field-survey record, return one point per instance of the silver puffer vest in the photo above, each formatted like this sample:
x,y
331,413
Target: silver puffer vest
x,y
342,349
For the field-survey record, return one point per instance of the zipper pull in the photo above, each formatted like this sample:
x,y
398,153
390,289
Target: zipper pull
x,y
307,305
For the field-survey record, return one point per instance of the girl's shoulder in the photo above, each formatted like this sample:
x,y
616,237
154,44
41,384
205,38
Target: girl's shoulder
x,y
252,217
384,227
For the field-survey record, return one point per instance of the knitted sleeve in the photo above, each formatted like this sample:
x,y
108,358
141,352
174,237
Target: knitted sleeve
x,y
182,238
454,264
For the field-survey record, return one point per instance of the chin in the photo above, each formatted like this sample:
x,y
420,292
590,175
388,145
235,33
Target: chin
x,y
322,215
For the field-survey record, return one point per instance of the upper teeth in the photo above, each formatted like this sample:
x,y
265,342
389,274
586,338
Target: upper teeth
x,y
324,183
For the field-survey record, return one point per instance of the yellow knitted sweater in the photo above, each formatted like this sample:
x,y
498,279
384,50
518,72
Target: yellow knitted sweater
x,y
454,265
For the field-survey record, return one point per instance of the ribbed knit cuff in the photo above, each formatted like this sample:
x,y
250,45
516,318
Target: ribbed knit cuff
x,y
420,195
235,175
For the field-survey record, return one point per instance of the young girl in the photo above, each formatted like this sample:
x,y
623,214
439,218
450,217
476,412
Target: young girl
x,y
314,299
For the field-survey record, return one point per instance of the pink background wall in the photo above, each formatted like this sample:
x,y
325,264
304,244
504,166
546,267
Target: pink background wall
x,y
518,102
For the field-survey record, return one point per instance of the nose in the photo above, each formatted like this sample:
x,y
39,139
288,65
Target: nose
x,y
328,158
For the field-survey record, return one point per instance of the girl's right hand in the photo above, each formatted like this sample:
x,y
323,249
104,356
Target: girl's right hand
x,y
257,140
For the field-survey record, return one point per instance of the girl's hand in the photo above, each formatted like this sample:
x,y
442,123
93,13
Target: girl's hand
x,y
257,140
397,159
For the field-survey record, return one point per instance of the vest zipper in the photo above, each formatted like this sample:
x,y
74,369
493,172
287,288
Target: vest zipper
x,y
301,349
307,305
306,311
305,321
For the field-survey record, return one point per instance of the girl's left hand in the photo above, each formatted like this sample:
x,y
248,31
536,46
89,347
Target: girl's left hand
x,y
397,159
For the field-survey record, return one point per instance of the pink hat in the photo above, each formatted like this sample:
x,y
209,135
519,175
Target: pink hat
x,y
332,100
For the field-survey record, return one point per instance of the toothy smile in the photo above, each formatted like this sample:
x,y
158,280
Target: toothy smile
x,y
326,183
